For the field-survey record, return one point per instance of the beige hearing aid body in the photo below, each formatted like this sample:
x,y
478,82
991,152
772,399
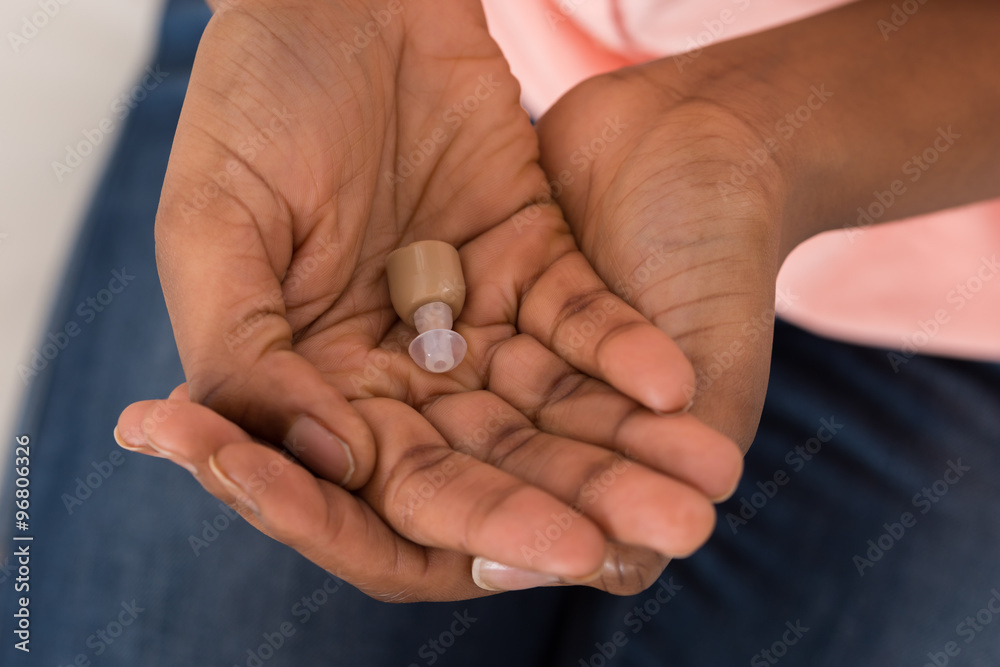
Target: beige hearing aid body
x,y
427,289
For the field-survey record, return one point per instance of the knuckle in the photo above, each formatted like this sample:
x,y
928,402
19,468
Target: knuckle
x,y
489,505
216,390
508,441
615,329
594,479
562,386
406,481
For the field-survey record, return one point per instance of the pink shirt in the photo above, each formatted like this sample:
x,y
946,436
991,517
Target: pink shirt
x,y
930,285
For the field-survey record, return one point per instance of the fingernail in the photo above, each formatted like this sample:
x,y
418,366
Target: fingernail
x,y
135,442
307,439
683,411
173,456
492,576
726,496
241,492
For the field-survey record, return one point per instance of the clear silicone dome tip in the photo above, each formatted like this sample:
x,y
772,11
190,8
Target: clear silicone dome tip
x,y
438,350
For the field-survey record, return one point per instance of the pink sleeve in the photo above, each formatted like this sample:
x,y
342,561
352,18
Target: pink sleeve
x,y
928,286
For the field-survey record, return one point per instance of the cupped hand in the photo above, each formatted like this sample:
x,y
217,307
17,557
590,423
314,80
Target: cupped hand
x,y
315,139
346,534
676,197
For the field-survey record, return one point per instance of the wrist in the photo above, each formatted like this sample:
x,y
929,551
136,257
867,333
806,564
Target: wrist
x,y
761,150
787,114
862,111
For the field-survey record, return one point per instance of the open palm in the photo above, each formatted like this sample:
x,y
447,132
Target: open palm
x,y
315,139
681,214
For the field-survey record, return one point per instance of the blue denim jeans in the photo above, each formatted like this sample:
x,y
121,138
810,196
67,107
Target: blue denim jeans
x,y
864,531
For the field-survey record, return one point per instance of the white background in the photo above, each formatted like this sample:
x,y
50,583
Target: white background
x,y
62,82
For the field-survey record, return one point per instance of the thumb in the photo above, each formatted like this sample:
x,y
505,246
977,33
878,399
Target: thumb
x,y
221,261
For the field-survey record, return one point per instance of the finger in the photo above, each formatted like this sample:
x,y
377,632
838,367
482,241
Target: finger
x,y
570,310
560,400
325,523
180,393
338,531
627,570
631,503
554,295
436,496
223,287
145,416
175,429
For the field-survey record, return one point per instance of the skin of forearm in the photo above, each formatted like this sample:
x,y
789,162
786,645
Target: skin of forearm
x,y
901,108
